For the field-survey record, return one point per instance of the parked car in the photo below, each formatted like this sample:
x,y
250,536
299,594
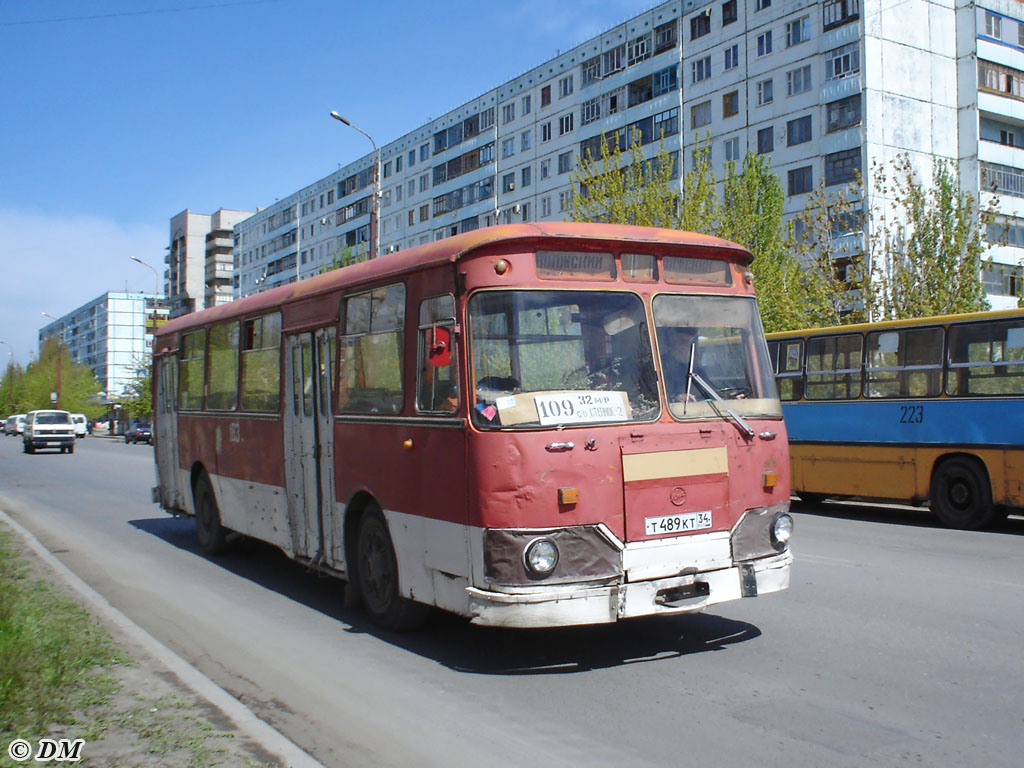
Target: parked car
x,y
138,432
48,429
15,424
80,424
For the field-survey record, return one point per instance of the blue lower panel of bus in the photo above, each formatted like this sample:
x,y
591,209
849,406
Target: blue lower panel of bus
x,y
992,423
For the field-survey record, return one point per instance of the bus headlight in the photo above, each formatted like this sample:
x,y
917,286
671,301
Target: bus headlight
x,y
541,557
782,531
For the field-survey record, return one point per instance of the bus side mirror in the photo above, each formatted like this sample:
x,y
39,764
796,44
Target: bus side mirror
x,y
439,347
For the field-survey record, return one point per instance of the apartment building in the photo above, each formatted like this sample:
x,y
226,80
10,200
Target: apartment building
x,y
200,259
827,88
112,335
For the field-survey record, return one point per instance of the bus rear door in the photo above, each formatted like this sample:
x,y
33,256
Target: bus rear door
x,y
309,477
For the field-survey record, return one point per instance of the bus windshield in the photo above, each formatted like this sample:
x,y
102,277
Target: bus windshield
x,y
720,341
558,358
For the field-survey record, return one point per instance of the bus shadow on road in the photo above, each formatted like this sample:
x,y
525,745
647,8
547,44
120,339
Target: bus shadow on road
x,y
896,514
454,642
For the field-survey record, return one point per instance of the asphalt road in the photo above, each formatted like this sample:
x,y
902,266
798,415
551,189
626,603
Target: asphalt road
x,y
898,643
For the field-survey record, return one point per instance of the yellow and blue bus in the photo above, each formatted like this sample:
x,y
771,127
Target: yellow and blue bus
x,y
925,410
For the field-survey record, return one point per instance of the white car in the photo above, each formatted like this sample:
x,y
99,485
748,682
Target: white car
x,y
79,422
48,429
15,424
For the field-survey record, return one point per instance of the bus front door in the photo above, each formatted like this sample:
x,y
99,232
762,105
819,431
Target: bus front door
x,y
309,455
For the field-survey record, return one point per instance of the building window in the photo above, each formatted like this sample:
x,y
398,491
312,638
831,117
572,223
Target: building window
x,y
424,152
700,114
424,182
545,206
525,176
1007,138
764,43
613,60
545,132
665,37
1003,280
590,111
412,157
798,31
732,149
999,79
545,96
729,12
1002,179
565,124
590,71
841,167
731,104
701,69
527,102
508,182
800,181
842,62
765,140
732,57
524,141
545,168
835,13
798,80
760,5
508,148
639,49
508,113
764,92
666,79
842,114
565,87
700,24
798,131
565,162
666,123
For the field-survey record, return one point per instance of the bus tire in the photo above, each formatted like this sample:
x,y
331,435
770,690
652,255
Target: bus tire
x,y
212,536
377,576
961,495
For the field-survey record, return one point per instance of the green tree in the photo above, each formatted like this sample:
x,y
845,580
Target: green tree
x,y
926,243
77,386
343,258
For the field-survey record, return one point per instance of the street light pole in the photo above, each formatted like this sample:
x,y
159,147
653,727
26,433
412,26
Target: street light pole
x,y
376,185
156,277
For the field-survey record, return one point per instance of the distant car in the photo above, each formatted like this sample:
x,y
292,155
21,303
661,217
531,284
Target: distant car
x,y
48,429
15,424
79,422
138,432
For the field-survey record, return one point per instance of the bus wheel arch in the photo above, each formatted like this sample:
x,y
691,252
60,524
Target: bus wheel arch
x,y
961,492
373,568
210,533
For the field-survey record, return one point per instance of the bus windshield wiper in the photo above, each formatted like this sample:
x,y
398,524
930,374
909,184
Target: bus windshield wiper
x,y
718,398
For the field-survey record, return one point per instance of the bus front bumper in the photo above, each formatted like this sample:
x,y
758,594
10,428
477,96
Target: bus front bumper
x,y
569,605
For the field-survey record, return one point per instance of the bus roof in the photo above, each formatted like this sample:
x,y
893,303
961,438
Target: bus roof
x,y
906,323
449,250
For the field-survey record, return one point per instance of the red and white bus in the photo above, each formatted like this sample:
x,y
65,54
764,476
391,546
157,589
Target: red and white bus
x,y
528,425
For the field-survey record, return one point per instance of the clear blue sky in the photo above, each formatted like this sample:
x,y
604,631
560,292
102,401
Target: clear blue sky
x,y
117,114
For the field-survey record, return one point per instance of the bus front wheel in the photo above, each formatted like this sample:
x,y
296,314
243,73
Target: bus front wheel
x,y
211,534
377,576
961,495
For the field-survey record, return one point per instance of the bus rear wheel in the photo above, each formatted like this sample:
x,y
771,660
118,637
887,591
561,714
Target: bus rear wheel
x,y
377,576
212,536
961,495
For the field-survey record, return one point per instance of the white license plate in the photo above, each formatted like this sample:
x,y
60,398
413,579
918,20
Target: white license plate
x,y
691,521
52,443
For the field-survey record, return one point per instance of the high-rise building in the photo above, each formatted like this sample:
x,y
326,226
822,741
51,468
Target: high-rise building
x,y
828,88
112,335
200,260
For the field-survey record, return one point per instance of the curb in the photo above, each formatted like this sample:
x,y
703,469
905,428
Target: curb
x,y
272,740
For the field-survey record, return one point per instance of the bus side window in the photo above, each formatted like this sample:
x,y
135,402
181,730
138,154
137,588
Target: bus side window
x,y
986,359
437,361
834,367
787,358
370,351
191,372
